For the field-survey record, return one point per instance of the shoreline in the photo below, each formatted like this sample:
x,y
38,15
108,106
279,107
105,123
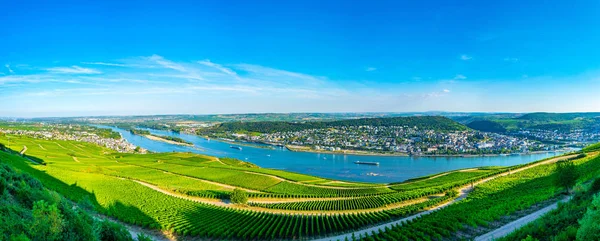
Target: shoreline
x,y
364,153
156,138
341,152
294,148
240,143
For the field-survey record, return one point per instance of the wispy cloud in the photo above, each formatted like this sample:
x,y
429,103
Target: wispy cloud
x,y
258,72
9,69
166,63
512,60
446,91
369,69
219,67
459,77
73,70
465,57
105,64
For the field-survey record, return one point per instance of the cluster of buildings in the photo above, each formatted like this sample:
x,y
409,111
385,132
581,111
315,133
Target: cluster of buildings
x,y
401,139
119,145
572,137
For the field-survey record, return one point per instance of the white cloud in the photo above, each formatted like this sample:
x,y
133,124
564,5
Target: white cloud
x,y
369,69
459,76
257,72
73,70
218,67
512,60
9,69
105,64
446,91
465,57
166,63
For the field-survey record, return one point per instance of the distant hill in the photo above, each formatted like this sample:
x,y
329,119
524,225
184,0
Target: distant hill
x,y
544,116
438,123
487,126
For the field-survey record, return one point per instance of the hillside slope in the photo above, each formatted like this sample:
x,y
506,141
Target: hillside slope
x,y
438,123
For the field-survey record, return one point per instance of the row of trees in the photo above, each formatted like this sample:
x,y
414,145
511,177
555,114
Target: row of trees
x,y
437,123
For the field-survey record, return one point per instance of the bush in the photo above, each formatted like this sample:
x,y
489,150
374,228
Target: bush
x,y
590,227
109,231
566,174
143,237
595,186
47,221
2,186
239,196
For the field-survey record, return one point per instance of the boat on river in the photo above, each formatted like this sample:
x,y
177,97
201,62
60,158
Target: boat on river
x,y
235,147
367,163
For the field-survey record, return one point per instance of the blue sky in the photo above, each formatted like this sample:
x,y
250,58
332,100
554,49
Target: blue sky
x,y
61,58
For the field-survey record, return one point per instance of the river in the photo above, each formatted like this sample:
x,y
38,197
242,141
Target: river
x,y
390,169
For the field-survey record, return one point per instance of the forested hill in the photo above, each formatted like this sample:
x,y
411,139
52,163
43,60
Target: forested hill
x,y
437,123
543,116
539,121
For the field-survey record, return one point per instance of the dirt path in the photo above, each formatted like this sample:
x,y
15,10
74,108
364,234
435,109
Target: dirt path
x,y
193,178
75,159
219,161
464,192
311,185
512,226
213,183
40,145
135,231
226,203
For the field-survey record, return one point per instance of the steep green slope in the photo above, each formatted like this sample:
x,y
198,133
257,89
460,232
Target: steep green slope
x,y
28,211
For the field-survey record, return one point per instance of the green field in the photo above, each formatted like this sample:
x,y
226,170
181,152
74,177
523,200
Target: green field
x,y
299,205
489,204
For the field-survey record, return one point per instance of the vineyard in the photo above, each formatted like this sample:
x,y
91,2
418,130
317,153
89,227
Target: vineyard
x,y
487,204
281,205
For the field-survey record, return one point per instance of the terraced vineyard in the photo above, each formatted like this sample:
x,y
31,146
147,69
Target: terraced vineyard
x,y
488,204
282,205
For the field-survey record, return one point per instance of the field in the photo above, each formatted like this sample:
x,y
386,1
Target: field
x,y
187,194
489,205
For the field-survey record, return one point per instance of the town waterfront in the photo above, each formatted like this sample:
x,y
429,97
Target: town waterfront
x,y
337,166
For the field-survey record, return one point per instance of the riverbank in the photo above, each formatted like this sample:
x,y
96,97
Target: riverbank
x,y
156,138
296,148
342,152
239,143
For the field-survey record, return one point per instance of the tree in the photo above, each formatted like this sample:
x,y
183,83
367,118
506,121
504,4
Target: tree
x,y
529,238
239,196
566,174
143,237
47,221
109,231
595,186
590,227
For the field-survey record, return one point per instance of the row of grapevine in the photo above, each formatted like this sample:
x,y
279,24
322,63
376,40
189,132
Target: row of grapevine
x,y
370,201
286,187
488,203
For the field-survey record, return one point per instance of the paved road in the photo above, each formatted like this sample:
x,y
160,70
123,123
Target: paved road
x,y
512,226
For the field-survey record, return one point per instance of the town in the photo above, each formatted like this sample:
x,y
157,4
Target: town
x,y
400,139
117,144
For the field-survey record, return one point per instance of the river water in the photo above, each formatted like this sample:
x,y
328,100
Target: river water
x,y
390,169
